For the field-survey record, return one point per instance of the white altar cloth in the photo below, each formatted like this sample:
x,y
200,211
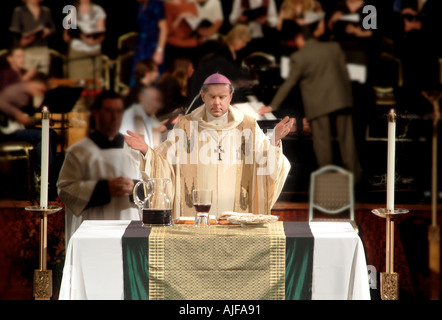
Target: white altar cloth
x,y
94,268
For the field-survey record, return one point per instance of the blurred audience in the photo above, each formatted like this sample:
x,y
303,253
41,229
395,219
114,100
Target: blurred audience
x,y
319,68
261,16
181,39
416,48
152,35
15,70
307,13
31,25
184,41
146,73
17,121
84,52
346,27
224,58
209,20
175,86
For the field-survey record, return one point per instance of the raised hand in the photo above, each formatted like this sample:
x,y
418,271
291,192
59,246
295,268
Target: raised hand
x,y
282,129
136,141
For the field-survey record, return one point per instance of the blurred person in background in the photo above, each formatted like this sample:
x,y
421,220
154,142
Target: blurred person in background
x,y
175,86
85,42
261,16
146,74
17,115
99,171
320,69
15,70
141,117
31,25
209,20
223,59
152,34
182,42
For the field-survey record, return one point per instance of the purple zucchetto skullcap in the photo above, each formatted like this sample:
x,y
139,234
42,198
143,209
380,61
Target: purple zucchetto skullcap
x,y
217,78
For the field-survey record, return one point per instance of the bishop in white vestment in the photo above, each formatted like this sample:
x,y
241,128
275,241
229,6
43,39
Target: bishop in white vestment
x,y
218,147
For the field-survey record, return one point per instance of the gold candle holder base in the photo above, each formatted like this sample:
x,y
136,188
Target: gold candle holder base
x,y
42,277
434,261
389,286
389,279
42,284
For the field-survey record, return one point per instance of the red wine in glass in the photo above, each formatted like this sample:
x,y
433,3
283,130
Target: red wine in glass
x,y
201,207
202,200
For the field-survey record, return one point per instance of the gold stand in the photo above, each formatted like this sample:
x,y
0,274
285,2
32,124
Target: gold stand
x,y
434,229
389,279
42,276
389,286
434,261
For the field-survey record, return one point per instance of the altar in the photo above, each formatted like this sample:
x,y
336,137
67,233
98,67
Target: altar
x,y
116,260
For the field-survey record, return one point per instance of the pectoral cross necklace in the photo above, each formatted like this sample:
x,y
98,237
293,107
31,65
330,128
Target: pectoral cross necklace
x,y
220,151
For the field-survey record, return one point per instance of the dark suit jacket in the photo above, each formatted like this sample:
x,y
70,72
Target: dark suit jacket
x,y
321,72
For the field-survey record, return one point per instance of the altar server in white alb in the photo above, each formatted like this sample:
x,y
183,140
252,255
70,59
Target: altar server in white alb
x,y
98,173
220,148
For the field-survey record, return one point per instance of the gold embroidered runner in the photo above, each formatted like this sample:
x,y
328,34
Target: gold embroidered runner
x,y
217,263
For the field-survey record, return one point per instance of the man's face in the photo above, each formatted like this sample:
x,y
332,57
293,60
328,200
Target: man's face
x,y
109,117
151,100
17,59
217,99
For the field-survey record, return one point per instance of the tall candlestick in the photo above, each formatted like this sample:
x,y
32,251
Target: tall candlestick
x,y
390,279
44,158
391,159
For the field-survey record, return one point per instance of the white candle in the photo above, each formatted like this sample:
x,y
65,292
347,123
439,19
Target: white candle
x,y
44,158
391,159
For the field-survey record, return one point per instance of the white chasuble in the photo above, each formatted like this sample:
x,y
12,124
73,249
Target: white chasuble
x,y
85,164
234,158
